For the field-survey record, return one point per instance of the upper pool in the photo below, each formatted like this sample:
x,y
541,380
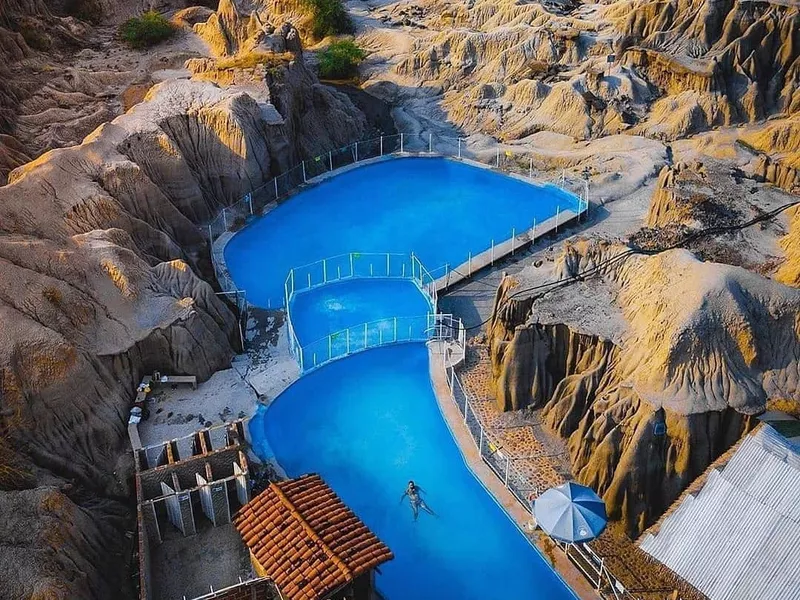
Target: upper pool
x,y
439,209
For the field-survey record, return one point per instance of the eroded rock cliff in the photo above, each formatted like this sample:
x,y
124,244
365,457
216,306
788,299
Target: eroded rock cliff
x,y
104,277
701,347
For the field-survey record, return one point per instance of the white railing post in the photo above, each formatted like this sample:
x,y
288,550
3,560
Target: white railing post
x,y
275,181
250,202
395,329
469,265
347,350
480,444
210,234
497,158
352,272
380,336
430,143
388,270
365,336
330,347
324,270
492,252
530,169
381,145
459,147
309,280
505,480
447,275
330,159
304,172
401,143
356,152
224,219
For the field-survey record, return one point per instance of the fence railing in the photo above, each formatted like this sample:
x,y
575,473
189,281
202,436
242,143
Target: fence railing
x,y
490,449
507,159
514,479
374,334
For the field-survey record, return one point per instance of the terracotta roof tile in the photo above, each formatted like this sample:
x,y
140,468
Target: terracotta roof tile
x,y
306,538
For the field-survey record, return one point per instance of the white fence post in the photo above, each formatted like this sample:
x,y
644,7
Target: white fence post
x,y
395,329
250,202
304,172
492,252
430,143
508,462
347,351
330,159
530,169
469,265
356,151
497,158
381,145
459,147
210,234
352,272
224,219
275,181
388,271
401,143
324,270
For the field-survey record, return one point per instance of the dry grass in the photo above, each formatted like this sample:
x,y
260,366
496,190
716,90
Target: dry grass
x,y
53,295
250,60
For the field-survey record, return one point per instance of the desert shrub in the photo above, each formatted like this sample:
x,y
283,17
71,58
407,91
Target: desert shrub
x,y
329,17
53,295
340,60
146,30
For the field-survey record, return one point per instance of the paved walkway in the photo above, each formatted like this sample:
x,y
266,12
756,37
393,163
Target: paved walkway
x,y
568,572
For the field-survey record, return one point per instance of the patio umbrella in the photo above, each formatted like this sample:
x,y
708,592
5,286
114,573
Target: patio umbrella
x,y
570,512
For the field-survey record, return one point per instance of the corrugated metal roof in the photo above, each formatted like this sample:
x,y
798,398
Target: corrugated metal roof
x,y
739,538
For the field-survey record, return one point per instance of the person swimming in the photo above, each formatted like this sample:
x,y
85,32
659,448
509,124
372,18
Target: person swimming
x,y
414,493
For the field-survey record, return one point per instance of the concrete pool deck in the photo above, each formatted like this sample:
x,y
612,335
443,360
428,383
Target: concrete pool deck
x,y
576,581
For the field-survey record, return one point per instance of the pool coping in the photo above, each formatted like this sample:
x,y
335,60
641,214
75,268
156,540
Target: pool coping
x,y
453,276
569,574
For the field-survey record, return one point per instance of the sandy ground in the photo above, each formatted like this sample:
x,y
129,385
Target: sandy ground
x,y
187,567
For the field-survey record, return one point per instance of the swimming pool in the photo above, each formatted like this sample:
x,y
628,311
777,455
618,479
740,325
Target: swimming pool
x,y
439,209
367,425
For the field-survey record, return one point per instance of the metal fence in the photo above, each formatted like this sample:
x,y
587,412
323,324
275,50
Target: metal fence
x,y
507,159
591,565
490,449
360,265
374,334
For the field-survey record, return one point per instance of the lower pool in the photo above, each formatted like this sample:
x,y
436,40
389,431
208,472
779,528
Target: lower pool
x,y
369,424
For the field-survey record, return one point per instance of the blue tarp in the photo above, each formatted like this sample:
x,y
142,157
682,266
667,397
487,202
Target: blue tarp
x,y
570,512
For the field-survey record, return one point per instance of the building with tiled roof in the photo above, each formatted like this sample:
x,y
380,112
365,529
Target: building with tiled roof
x,y
302,536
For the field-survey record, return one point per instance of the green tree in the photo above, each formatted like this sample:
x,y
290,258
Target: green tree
x,y
329,18
340,60
146,30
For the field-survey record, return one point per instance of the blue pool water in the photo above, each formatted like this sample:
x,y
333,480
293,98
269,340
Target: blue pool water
x,y
370,423
436,208
327,309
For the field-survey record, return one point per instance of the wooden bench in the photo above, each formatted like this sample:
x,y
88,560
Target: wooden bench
x,y
178,379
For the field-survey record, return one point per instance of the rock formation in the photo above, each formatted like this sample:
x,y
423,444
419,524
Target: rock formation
x,y
105,276
699,348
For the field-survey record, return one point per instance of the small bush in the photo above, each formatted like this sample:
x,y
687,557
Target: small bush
x,y
329,17
146,30
340,60
53,295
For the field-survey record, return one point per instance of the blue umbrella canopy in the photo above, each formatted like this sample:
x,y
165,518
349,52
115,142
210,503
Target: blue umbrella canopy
x,y
570,512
